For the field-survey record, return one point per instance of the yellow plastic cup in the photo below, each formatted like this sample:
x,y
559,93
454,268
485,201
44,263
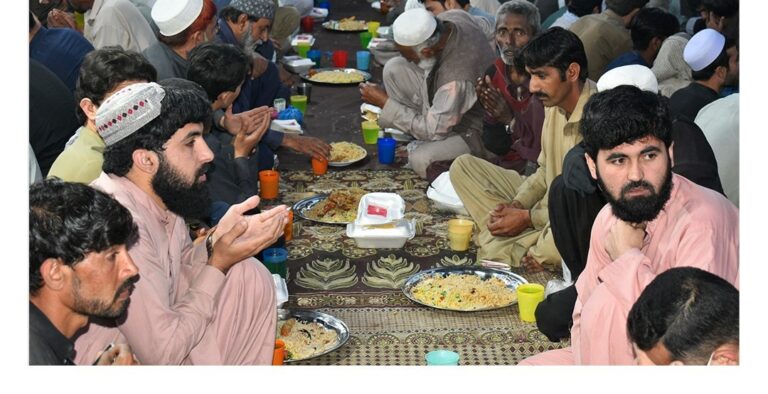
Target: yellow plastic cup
x,y
299,101
528,297
302,49
372,27
460,234
370,132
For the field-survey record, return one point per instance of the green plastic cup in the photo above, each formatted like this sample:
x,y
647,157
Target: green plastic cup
x,y
302,49
365,38
370,132
299,101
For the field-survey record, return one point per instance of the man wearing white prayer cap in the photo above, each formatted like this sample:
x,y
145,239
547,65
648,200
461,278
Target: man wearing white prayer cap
x,y
430,90
203,302
706,53
633,74
182,25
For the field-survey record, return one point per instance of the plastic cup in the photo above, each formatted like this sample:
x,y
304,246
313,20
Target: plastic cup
x,y
340,59
372,27
528,297
307,24
442,357
370,132
302,49
288,231
279,356
300,102
304,89
386,147
459,234
269,181
324,4
274,259
319,166
363,60
365,38
315,55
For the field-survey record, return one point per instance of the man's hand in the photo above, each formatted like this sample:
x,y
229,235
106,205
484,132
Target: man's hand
x,y
258,65
624,237
61,19
256,120
372,94
508,220
119,354
309,146
493,101
530,265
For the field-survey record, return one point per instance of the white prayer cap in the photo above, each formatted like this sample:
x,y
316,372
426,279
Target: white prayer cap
x,y
703,48
128,110
633,74
173,16
410,4
413,27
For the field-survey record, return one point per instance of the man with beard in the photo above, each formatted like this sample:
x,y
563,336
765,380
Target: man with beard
x,y
655,220
79,267
430,88
203,302
246,23
509,208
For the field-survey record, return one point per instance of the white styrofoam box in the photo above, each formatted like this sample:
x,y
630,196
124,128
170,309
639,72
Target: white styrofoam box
x,y
392,238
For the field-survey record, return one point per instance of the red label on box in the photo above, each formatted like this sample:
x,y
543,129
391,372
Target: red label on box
x,y
377,210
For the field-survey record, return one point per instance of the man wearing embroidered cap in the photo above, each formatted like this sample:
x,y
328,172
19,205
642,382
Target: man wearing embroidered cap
x,y
204,302
707,55
103,72
430,90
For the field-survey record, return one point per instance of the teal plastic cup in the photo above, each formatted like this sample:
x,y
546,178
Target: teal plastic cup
x,y
442,357
363,60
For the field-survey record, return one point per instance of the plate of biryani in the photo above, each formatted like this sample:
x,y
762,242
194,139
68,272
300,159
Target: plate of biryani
x,y
336,76
463,288
345,153
308,334
339,207
350,24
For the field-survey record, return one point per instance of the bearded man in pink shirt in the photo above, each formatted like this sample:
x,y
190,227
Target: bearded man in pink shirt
x,y
655,220
203,302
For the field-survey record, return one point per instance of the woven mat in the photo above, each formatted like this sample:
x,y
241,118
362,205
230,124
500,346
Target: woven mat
x,y
327,272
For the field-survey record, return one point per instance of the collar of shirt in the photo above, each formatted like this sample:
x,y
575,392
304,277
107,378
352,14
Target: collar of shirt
x,y
650,227
226,35
572,123
91,15
149,209
61,346
613,18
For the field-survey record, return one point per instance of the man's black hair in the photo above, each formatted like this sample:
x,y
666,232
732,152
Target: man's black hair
x,y
231,14
624,7
690,311
179,107
105,68
218,68
622,115
69,220
650,23
583,7
707,72
724,8
558,48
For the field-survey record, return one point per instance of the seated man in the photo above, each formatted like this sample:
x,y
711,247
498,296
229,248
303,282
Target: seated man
x,y
686,316
510,209
205,302
79,267
430,89
483,20
104,72
648,29
655,220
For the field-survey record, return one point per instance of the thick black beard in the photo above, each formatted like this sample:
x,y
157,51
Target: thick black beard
x,y
188,201
639,209
100,308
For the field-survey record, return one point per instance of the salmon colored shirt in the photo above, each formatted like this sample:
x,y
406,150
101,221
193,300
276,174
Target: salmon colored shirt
x,y
697,228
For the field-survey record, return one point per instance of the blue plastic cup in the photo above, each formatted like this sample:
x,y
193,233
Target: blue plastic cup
x,y
315,55
274,259
324,4
363,60
386,148
442,357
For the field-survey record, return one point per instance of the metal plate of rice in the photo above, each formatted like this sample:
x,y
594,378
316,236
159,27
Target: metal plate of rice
x,y
327,321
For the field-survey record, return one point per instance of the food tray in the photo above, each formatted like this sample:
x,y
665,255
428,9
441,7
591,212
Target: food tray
x,y
325,319
366,76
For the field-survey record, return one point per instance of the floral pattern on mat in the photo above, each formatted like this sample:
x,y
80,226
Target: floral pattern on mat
x,y
326,274
389,272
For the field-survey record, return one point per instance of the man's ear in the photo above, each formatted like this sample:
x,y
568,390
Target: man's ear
x,y
572,72
224,96
53,273
726,354
146,161
591,165
89,108
241,23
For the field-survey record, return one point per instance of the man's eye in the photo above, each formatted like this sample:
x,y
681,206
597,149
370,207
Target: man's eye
x,y
650,156
618,161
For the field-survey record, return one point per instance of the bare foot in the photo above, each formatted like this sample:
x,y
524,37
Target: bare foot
x,y
531,265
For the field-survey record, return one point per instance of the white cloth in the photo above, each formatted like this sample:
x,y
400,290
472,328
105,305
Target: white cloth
x,y
117,22
670,69
413,27
489,6
719,121
173,16
633,74
566,20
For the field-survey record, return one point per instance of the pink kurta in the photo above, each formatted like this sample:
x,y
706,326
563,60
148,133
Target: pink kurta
x,y
182,310
697,228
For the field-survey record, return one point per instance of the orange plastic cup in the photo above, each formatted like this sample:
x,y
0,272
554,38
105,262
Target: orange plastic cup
x,y
288,232
319,166
269,180
279,356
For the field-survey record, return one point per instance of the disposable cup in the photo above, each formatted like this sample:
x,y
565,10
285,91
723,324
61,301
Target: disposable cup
x,y
386,148
274,259
269,182
315,55
302,49
370,132
319,166
288,231
307,24
340,59
363,60
460,234
299,101
365,38
528,297
279,356
372,27
442,357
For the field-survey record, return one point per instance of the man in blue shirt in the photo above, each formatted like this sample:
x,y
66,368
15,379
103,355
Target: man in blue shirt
x,y
60,50
649,28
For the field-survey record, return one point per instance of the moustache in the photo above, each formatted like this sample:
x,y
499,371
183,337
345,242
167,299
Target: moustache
x,y
635,185
127,285
541,95
203,170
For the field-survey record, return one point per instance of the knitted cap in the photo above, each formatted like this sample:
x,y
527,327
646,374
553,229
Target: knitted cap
x,y
413,27
173,16
633,74
128,110
703,48
255,8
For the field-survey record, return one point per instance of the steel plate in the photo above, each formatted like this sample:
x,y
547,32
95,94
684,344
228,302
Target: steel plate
x,y
511,279
350,162
329,26
328,321
366,76
302,207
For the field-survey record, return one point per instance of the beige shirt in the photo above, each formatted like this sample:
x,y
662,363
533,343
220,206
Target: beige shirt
x,y
80,162
117,22
604,37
